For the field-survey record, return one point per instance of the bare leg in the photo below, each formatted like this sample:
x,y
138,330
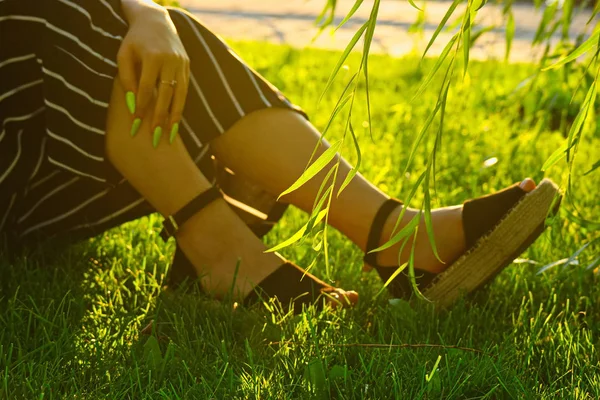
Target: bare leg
x,y
272,147
215,238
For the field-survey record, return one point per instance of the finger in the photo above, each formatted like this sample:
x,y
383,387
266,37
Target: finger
x,y
178,103
163,102
127,75
150,71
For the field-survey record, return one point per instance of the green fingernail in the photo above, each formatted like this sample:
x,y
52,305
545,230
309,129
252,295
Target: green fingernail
x,y
174,131
157,135
135,127
130,100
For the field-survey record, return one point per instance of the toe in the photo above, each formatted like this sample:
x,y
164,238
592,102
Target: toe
x,y
343,298
528,184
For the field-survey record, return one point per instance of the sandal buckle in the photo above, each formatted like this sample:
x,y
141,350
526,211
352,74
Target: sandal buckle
x,y
170,228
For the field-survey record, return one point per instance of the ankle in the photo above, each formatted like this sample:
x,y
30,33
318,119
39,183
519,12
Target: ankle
x,y
217,243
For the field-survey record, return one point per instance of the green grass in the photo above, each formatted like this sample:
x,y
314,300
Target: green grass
x,y
70,318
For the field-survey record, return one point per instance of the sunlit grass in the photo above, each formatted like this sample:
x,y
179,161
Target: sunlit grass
x,y
71,317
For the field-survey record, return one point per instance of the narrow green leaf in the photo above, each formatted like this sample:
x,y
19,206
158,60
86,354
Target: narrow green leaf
x,y
594,167
315,168
395,274
403,233
420,136
555,157
510,34
354,170
567,18
344,56
578,52
315,213
296,236
478,4
407,201
322,187
365,58
466,41
436,66
351,13
412,3
594,12
478,33
428,222
441,25
317,379
586,109
430,376
547,17
338,107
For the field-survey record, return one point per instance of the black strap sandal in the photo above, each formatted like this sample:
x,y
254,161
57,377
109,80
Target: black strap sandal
x,y
498,228
289,283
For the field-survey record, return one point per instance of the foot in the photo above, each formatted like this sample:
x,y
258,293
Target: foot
x,y
448,232
215,240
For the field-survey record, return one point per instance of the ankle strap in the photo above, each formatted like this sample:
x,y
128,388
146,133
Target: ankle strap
x,y
377,228
172,223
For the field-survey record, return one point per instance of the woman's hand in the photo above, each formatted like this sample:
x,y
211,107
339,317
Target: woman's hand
x,y
151,58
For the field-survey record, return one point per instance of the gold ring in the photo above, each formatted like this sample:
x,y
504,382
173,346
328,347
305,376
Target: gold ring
x,y
172,83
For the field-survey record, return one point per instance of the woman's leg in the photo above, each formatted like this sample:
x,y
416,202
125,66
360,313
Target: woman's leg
x,y
272,148
213,239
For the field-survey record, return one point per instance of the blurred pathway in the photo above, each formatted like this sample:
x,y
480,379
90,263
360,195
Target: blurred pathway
x,y
293,22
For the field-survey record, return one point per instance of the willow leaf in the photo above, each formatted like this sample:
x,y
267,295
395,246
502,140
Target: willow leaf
x,y
594,167
578,52
403,233
595,12
428,222
344,57
412,3
441,25
467,41
436,66
510,34
296,236
365,58
417,142
315,168
586,109
351,13
354,170
555,157
409,199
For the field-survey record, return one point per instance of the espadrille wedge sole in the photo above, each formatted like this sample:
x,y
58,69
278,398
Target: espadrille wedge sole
x,y
519,228
498,227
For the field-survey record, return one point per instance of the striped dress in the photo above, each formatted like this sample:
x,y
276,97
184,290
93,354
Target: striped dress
x,y
57,65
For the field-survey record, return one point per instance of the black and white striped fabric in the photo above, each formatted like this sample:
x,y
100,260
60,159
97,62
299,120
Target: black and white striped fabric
x,y
57,66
